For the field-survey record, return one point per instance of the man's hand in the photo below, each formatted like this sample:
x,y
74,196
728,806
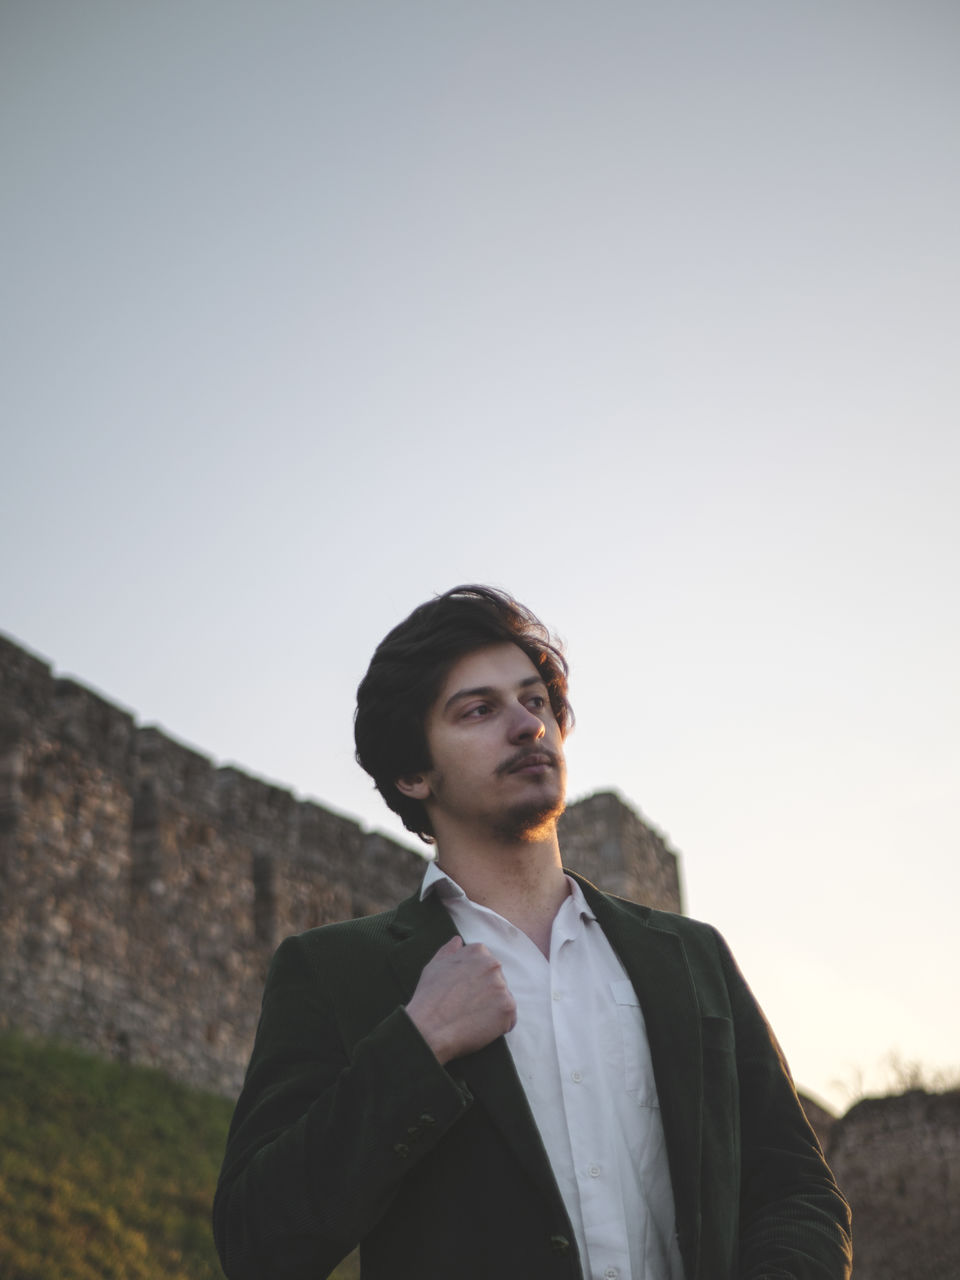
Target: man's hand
x,y
462,1001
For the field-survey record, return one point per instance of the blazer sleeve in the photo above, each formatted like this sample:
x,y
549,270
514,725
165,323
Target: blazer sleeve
x,y
324,1132
794,1223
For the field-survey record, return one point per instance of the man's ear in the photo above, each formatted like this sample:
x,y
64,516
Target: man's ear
x,y
414,786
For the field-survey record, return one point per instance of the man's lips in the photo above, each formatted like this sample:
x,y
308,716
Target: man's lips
x,y
528,760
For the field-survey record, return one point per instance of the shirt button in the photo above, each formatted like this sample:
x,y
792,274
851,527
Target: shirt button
x,y
611,1273
576,1076
556,995
595,1173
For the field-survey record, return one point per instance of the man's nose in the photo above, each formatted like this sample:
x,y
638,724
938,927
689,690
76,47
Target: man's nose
x,y
525,726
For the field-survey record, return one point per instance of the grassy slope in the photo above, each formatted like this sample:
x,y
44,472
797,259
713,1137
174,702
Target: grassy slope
x,y
106,1171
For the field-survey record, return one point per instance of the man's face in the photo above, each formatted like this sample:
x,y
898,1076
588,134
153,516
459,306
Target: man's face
x,y
496,749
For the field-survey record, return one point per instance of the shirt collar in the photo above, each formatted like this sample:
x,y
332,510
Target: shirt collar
x,y
438,882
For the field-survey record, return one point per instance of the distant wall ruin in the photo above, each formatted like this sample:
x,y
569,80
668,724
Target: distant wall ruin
x,y
898,1160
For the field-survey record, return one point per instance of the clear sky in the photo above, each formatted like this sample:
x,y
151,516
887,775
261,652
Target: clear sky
x,y
645,312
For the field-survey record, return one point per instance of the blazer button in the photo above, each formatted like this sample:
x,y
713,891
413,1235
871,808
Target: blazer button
x,y
401,1149
427,1119
559,1244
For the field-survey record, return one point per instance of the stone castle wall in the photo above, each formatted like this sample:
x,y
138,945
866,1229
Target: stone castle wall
x,y
898,1161
143,890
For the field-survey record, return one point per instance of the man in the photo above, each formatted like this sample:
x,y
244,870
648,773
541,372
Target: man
x,y
511,1076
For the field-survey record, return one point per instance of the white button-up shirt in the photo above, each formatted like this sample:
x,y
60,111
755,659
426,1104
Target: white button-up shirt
x,y
580,1049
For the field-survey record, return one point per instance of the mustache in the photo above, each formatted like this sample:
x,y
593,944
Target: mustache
x,y
520,758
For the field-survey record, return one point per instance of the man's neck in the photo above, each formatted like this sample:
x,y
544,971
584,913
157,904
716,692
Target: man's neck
x,y
523,881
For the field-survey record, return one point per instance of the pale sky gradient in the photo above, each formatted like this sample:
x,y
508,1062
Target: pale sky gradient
x,y
645,312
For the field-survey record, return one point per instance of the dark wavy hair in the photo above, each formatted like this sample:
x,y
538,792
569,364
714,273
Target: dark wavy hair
x,y
407,672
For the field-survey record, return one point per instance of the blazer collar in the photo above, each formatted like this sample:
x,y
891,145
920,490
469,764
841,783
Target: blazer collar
x,y
420,930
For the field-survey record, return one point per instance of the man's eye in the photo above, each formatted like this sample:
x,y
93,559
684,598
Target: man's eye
x,y
538,702
481,709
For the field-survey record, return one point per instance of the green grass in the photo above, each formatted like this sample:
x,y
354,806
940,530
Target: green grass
x,y
107,1171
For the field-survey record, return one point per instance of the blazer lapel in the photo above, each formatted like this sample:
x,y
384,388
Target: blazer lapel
x,y
657,966
421,929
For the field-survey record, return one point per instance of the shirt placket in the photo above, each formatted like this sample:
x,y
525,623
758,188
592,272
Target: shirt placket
x,y
584,1086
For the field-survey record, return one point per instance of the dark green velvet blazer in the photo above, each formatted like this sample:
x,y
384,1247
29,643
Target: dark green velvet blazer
x,y
349,1131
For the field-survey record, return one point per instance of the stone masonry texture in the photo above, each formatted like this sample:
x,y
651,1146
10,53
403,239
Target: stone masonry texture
x,y
898,1161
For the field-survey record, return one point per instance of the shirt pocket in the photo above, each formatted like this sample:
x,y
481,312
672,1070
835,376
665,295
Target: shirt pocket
x,y
632,1032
